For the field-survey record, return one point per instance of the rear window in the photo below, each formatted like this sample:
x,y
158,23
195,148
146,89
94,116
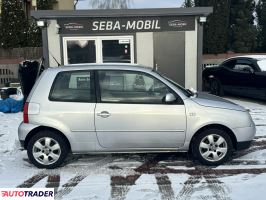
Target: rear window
x,y
74,86
262,65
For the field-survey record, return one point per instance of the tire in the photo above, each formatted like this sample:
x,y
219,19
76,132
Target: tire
x,y
216,87
47,149
212,153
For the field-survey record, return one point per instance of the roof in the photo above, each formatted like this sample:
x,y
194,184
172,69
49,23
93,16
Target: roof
x,y
54,14
257,57
113,66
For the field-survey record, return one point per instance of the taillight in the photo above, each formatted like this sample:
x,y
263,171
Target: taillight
x,y
26,113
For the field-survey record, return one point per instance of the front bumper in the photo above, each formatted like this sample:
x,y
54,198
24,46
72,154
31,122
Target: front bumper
x,y
245,134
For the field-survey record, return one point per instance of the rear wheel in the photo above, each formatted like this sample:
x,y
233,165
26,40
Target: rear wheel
x,y
216,87
47,149
212,147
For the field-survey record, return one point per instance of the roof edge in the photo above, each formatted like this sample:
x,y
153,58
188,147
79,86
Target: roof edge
x,y
55,14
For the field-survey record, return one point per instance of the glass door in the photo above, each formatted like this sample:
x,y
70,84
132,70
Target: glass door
x,y
101,49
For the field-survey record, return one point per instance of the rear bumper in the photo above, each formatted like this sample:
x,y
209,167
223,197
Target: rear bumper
x,y
22,143
243,145
23,131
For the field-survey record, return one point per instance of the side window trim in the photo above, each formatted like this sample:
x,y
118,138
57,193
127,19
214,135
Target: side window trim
x,y
179,100
92,86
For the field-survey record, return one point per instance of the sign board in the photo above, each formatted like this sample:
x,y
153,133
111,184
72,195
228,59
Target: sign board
x,y
126,24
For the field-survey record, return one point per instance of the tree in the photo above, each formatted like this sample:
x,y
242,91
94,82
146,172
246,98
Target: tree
x,y
45,4
34,33
14,24
110,4
261,14
188,3
242,31
215,38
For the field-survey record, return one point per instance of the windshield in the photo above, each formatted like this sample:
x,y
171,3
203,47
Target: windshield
x,y
262,64
183,90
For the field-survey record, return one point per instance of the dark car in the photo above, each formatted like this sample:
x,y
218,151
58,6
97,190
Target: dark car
x,y
243,76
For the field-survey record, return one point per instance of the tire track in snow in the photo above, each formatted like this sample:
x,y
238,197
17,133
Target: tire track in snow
x,y
32,181
69,186
120,185
194,184
165,187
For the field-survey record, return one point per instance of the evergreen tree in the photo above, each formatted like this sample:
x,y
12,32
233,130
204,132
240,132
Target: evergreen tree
x,y
242,32
34,35
216,28
34,32
45,4
188,3
261,14
14,24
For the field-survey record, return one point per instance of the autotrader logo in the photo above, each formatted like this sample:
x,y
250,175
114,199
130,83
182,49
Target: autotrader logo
x,y
177,23
26,193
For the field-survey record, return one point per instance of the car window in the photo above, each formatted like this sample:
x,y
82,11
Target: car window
x,y
131,87
262,64
243,66
76,86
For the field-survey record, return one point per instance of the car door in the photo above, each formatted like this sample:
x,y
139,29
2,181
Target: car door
x,y
243,77
259,82
240,77
131,113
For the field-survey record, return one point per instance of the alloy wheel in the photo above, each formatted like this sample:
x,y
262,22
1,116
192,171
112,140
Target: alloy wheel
x,y
213,147
46,151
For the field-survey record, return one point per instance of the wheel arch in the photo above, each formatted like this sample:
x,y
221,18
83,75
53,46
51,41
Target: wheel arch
x,y
215,126
43,128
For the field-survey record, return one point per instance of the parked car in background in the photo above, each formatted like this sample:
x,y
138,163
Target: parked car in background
x,y
243,76
127,108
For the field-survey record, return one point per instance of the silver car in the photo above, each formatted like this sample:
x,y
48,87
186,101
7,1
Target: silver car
x,y
127,108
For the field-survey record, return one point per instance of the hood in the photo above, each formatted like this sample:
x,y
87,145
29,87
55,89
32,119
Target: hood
x,y
209,100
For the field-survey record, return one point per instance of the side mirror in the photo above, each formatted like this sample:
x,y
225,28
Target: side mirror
x,y
170,98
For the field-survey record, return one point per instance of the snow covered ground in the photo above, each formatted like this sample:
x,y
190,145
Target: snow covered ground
x,y
141,176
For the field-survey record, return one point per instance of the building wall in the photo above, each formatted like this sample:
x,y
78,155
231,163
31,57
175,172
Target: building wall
x,y
8,73
191,58
144,49
54,45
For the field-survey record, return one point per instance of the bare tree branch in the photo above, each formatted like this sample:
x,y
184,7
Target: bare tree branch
x,y
110,4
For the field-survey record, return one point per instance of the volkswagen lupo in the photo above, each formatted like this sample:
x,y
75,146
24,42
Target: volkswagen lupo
x,y
111,108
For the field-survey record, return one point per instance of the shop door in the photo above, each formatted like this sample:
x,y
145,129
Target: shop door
x,y
102,49
169,55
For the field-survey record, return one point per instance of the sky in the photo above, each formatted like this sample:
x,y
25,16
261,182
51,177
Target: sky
x,y
85,4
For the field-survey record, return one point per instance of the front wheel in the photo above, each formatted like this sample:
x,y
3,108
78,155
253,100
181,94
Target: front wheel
x,y
47,149
212,147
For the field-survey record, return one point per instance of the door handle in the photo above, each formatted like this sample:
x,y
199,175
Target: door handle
x,y
104,114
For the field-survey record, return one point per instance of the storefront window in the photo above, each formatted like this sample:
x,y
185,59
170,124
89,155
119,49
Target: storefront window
x,y
100,49
116,51
81,51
